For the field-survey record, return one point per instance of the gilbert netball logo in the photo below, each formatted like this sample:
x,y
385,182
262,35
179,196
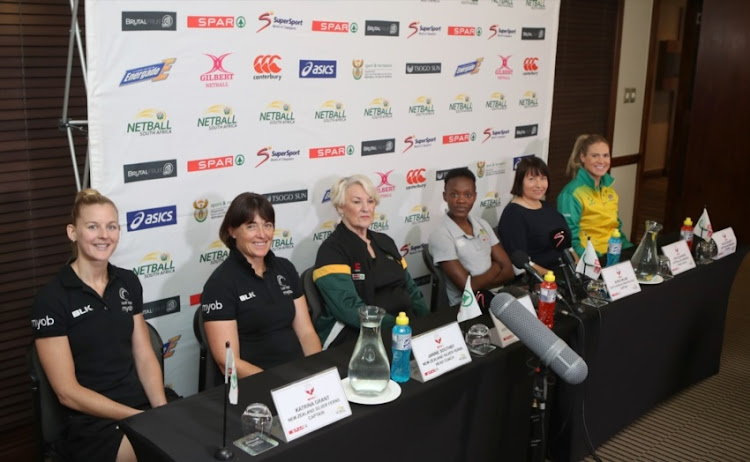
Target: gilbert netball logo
x,y
217,76
504,72
385,188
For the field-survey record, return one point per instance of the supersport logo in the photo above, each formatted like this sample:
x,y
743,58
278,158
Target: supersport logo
x,y
265,17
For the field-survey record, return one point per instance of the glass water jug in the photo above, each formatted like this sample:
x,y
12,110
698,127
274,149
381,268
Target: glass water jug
x,y
645,259
369,370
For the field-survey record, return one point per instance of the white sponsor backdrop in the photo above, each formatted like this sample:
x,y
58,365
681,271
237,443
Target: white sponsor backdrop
x,y
183,120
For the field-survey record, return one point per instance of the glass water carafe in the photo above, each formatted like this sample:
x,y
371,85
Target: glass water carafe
x,y
645,259
369,370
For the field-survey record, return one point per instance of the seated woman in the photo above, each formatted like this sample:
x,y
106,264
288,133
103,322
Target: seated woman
x,y
589,203
254,299
356,266
531,224
463,244
92,340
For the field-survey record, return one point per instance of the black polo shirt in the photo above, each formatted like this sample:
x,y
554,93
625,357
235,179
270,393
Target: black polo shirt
x,y
99,329
262,306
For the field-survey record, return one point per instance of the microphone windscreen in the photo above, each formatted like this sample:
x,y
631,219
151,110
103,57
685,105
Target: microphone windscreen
x,y
519,258
550,348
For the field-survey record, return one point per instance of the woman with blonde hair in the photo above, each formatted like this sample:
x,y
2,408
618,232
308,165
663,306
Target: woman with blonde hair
x,y
589,203
92,340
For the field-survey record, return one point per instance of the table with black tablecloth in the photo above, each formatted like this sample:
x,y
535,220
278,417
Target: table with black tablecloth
x,y
640,351
477,412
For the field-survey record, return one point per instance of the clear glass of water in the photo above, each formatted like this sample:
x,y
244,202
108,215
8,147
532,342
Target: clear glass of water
x,y
257,418
477,337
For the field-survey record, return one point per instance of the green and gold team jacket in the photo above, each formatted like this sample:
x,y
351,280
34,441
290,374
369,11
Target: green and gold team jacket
x,y
591,212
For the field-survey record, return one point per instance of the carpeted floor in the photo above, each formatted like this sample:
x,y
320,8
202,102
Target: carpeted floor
x,y
711,420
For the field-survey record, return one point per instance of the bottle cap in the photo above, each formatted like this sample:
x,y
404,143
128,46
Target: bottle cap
x,y
688,222
402,319
549,277
616,233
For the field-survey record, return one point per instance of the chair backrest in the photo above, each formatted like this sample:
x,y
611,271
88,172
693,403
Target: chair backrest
x,y
314,300
49,415
158,345
209,374
439,293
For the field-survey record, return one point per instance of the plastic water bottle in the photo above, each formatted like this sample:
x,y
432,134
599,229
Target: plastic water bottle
x,y
401,348
547,300
686,232
614,248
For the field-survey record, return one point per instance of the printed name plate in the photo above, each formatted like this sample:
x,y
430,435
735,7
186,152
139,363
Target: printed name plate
x,y
726,242
311,403
620,280
438,351
500,335
680,259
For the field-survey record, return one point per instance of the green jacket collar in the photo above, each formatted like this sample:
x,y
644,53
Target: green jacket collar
x,y
583,177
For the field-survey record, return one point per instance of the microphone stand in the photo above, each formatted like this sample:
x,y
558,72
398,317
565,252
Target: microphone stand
x,y
538,440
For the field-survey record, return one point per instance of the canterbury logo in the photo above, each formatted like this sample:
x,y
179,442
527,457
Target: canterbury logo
x,y
416,176
529,64
266,64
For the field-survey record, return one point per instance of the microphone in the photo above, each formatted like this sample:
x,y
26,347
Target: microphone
x,y
520,259
550,348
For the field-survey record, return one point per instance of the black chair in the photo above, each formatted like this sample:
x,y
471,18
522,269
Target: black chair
x,y
312,295
439,292
158,345
49,416
209,374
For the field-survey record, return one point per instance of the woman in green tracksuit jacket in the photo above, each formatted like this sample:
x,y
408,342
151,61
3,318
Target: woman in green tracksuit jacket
x,y
589,203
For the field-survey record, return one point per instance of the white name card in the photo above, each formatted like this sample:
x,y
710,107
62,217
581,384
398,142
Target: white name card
x,y
500,335
620,280
438,351
726,242
680,259
311,403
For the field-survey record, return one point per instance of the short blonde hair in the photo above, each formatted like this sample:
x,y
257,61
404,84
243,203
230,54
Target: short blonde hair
x,y
338,191
581,146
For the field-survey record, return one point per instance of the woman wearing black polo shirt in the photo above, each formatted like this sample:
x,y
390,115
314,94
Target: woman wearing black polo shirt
x,y
254,299
92,340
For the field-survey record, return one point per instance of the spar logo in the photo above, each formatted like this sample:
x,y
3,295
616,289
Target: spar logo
x,y
465,31
491,199
530,66
278,112
154,72
459,138
371,70
418,214
529,100
214,254
504,72
422,106
501,32
317,69
505,3
150,122
412,141
282,239
461,103
217,76
217,117
199,165
274,155
379,108
268,19
496,102
417,28
215,22
155,264
491,134
535,4
408,248
151,218
324,231
200,210
334,26
331,111
267,67
380,224
472,67
331,151
415,179
385,188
